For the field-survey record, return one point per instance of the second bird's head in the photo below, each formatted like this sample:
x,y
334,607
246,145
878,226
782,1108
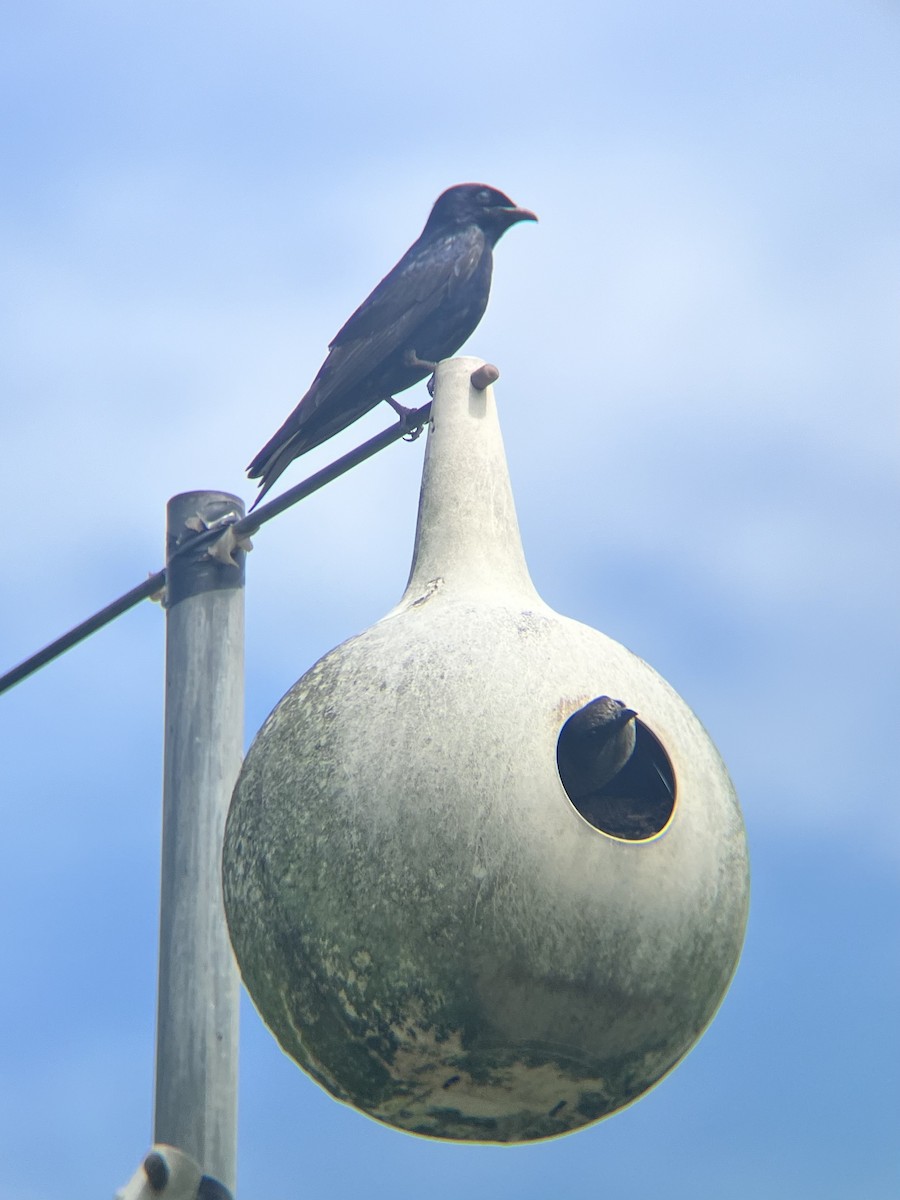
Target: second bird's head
x,y
475,204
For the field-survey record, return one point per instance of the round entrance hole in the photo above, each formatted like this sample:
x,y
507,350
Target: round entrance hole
x,y
615,771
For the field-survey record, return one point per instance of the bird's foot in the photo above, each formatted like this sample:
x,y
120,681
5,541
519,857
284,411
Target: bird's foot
x,y
411,359
411,427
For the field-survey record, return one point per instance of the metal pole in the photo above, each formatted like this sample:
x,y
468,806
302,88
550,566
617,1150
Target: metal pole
x,y
197,1010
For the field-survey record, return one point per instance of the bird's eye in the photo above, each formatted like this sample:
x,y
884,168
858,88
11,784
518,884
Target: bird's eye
x,y
483,197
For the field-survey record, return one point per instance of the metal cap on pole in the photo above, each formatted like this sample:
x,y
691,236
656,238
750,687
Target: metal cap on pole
x,y
197,1013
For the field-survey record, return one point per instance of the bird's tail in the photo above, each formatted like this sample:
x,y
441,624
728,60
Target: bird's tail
x,y
268,468
291,440
295,438
281,450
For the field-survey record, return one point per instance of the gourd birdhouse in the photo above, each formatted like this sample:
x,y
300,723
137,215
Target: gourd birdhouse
x,y
485,873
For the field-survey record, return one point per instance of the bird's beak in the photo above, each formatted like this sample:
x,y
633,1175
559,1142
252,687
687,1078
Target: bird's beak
x,y
514,214
626,715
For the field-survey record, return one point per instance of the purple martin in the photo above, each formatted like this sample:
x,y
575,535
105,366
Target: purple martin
x,y
595,744
421,312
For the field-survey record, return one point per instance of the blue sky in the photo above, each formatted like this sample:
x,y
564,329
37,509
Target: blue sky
x,y
698,397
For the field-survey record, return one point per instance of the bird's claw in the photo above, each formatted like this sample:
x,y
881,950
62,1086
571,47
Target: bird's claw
x,y
411,429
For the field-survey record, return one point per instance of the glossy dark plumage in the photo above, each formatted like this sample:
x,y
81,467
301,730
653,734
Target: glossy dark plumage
x,y
594,745
421,312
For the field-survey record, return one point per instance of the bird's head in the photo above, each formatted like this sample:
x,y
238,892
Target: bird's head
x,y
604,714
475,204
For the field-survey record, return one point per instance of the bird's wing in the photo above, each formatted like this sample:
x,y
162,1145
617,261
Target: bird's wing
x,y
386,322
391,318
414,288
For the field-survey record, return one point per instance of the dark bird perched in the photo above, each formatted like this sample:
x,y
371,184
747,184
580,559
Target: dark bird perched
x,y
595,744
421,312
